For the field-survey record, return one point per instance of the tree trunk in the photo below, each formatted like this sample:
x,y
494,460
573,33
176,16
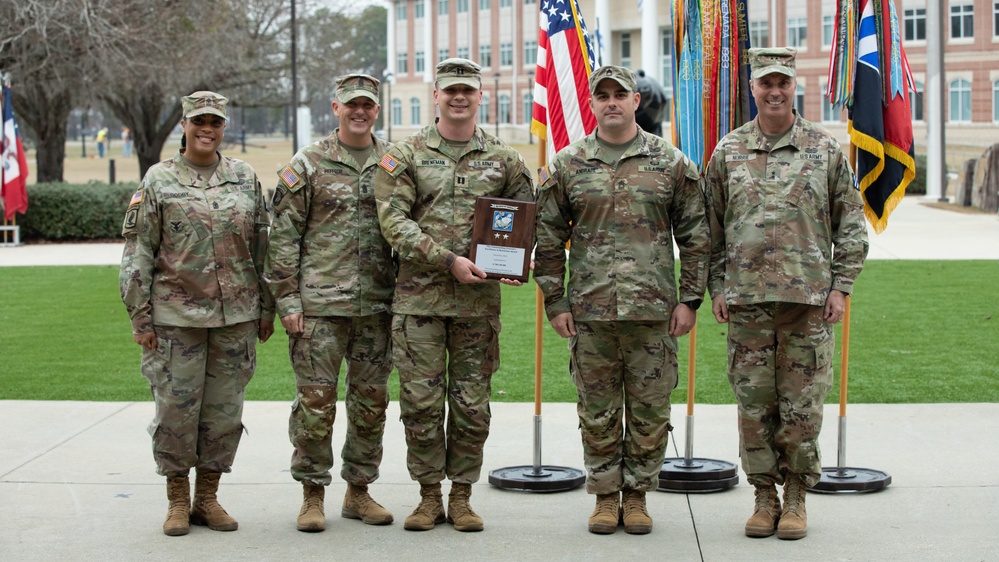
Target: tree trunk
x,y
47,117
145,111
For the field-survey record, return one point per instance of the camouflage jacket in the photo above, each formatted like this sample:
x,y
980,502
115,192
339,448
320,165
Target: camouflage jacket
x,y
194,248
787,222
426,199
327,256
621,218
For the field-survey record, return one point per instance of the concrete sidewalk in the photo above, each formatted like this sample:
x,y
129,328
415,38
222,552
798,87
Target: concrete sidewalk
x,y
77,481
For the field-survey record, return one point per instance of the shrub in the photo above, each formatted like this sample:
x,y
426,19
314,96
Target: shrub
x,y
64,212
918,185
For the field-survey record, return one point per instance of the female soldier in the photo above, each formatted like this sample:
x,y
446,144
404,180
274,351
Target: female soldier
x,y
195,240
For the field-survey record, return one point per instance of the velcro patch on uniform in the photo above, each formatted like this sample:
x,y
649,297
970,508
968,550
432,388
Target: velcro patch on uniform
x,y
739,157
812,156
484,164
388,163
654,169
543,174
131,218
136,198
289,177
432,162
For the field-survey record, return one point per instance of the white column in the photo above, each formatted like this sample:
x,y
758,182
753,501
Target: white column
x,y
430,54
936,165
604,19
390,37
650,39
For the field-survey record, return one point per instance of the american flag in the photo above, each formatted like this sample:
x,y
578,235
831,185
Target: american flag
x,y
561,112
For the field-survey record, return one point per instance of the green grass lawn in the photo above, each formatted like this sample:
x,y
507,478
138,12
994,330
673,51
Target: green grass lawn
x,y
922,331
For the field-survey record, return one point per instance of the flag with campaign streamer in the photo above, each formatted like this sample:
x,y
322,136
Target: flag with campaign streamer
x,y
15,163
870,75
561,112
710,74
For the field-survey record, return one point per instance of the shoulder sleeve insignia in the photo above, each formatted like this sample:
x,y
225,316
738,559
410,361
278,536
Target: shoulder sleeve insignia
x,y
388,163
289,177
136,198
543,174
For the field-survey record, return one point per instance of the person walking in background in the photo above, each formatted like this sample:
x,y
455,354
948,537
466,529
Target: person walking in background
x,y
620,197
191,280
332,276
788,241
445,325
102,139
126,142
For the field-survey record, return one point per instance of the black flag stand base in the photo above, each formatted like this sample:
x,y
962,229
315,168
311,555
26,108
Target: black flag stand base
x,y
842,479
696,475
537,478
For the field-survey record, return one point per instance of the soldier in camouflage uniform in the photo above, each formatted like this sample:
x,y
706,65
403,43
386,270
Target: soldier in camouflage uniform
x,y
332,275
195,241
621,196
788,241
445,328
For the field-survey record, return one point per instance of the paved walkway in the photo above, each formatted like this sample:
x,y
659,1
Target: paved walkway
x,y
77,479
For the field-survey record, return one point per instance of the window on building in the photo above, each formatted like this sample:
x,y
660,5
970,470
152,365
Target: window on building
x,y
419,62
799,100
530,53
530,1
668,116
797,32
486,55
667,57
828,29
527,106
504,109
443,54
463,52
995,100
461,6
414,111
759,33
484,110
506,54
400,12
962,21
914,24
397,112
995,19
830,113
916,102
506,3
960,101
484,4
442,7
402,63
418,9
626,50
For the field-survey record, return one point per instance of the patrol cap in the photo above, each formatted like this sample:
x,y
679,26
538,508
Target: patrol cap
x,y
765,61
356,85
453,71
623,76
202,102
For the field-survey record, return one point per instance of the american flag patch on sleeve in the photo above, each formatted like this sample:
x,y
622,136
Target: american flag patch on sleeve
x,y
388,163
543,174
289,177
136,198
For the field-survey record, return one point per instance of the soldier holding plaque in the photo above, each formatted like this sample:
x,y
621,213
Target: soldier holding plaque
x,y
445,325
621,196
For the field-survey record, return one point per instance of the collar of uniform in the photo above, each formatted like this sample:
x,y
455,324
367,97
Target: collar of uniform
x,y
591,148
223,174
758,141
335,150
435,140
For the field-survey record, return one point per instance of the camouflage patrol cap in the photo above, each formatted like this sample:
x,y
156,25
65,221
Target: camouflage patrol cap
x,y
453,71
356,85
623,76
202,102
764,61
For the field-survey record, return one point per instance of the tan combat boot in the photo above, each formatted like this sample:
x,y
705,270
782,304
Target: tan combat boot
x,y
607,513
179,494
765,514
357,504
430,512
636,516
206,510
793,520
312,516
459,510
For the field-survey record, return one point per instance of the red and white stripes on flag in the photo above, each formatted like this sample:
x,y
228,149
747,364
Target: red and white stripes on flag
x,y
561,112
14,174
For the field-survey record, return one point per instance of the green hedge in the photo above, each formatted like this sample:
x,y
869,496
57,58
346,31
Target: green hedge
x,y
918,185
65,212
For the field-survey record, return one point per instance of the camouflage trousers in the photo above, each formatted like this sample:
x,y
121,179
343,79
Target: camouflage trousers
x,y
780,368
624,373
197,377
456,357
316,357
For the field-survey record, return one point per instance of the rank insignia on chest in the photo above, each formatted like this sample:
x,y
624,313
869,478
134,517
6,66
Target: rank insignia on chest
x,y
137,198
289,177
388,163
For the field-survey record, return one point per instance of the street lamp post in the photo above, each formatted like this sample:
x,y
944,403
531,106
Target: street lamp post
x,y
388,102
530,105
496,76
